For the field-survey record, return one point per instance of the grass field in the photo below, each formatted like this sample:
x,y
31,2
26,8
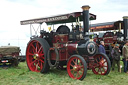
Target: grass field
x,y
22,76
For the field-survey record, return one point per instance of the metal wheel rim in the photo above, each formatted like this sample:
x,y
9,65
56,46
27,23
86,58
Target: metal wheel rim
x,y
35,56
73,73
100,65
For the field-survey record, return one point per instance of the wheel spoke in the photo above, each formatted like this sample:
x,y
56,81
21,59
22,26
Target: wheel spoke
x,y
72,70
41,65
76,62
104,61
71,65
39,49
95,65
41,60
36,69
34,49
77,75
104,69
30,54
81,70
96,60
105,66
32,62
73,62
38,46
81,66
79,63
101,59
41,56
100,70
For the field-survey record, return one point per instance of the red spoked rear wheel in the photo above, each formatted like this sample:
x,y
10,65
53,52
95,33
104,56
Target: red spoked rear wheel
x,y
77,67
101,64
36,55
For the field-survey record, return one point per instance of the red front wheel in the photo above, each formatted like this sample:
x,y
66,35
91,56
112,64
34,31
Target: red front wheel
x,y
36,55
101,64
77,67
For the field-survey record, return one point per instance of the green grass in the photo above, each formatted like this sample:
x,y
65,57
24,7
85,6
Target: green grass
x,y
22,76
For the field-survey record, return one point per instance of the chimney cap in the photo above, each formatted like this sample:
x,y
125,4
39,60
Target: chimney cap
x,y
85,7
125,17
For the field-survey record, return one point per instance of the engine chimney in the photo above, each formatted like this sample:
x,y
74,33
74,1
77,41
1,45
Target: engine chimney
x,y
125,19
85,18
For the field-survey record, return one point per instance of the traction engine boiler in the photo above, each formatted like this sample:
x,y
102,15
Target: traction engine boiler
x,y
65,48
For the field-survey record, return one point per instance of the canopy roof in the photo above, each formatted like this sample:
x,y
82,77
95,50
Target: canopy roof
x,y
106,26
65,18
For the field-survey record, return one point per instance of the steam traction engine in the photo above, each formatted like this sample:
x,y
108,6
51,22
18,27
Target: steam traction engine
x,y
119,34
64,48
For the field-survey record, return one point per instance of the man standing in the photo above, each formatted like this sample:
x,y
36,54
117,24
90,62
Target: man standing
x,y
125,55
116,57
101,47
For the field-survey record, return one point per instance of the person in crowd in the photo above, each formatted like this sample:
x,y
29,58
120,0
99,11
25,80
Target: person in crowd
x,y
125,56
101,47
116,57
109,54
96,39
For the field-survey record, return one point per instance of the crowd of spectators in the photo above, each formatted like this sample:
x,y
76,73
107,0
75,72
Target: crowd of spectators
x,y
116,55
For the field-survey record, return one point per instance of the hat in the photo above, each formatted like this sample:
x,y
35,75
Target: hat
x,y
126,41
117,45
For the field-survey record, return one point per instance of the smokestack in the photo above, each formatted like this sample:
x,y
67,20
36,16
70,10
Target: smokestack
x,y
86,18
125,19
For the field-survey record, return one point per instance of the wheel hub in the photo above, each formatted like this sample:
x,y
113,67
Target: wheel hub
x,y
35,56
76,68
101,63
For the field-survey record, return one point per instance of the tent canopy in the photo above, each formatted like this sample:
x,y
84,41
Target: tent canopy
x,y
65,18
106,26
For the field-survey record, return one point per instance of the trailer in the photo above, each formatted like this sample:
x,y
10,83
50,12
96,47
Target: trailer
x,y
9,56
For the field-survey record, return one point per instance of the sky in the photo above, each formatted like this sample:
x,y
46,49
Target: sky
x,y
14,11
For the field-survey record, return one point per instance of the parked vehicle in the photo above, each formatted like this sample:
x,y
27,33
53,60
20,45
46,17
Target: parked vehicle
x,y
9,56
63,47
